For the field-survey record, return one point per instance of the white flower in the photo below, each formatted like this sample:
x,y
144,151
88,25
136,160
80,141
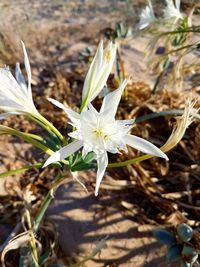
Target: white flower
x,y
15,95
98,72
147,16
173,10
101,133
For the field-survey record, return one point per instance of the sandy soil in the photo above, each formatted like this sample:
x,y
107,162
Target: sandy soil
x,y
55,32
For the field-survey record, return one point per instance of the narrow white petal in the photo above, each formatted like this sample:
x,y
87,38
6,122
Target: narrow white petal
x,y
27,67
5,115
90,77
57,104
172,10
144,146
104,72
74,116
92,109
102,162
10,91
28,72
64,152
100,55
147,16
150,5
14,95
19,77
178,4
111,100
75,135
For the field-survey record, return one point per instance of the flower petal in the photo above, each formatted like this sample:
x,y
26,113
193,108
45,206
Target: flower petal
x,y
96,63
27,67
57,104
64,152
144,146
111,100
178,4
74,116
20,78
172,10
104,70
98,72
28,72
102,162
147,16
7,114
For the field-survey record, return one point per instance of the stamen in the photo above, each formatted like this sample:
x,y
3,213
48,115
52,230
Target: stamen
x,y
106,137
98,133
107,56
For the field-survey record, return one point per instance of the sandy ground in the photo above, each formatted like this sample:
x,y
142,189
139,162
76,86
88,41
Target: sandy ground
x,y
55,32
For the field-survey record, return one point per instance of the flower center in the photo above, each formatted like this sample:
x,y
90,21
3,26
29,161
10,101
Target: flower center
x,y
99,133
107,55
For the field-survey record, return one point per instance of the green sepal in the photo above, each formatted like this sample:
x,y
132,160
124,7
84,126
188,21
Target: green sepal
x,y
79,163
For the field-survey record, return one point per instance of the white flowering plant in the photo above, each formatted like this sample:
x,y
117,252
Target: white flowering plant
x,y
174,37
94,134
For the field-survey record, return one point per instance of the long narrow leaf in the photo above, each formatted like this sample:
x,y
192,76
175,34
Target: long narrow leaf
x,y
20,170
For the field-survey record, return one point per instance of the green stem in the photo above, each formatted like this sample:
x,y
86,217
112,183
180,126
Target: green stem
x,y
20,170
83,103
189,29
163,113
26,137
183,47
129,162
36,137
46,202
48,126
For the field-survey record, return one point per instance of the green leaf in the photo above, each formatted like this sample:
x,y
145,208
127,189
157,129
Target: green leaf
x,y
44,257
20,170
29,138
83,166
164,113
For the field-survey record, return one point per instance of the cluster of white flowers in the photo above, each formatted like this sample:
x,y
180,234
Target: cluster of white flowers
x,y
96,131
171,12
